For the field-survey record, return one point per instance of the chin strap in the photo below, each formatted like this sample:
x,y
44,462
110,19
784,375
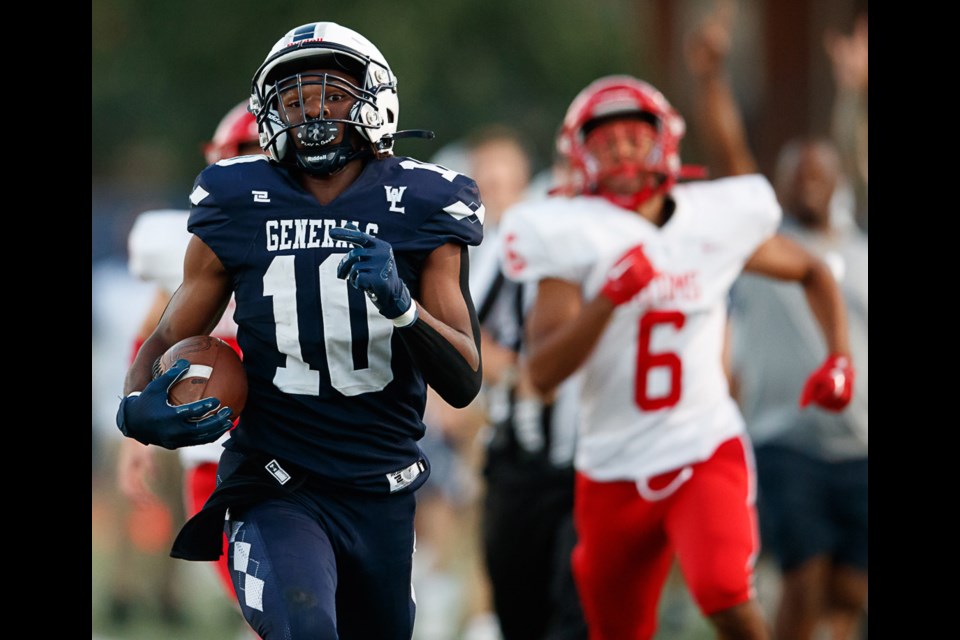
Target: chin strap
x,y
336,157
412,133
385,144
656,184
693,172
633,200
332,159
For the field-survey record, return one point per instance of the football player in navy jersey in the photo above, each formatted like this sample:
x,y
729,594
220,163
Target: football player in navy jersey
x,y
349,268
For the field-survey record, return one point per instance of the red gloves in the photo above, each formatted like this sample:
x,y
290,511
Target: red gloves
x,y
831,385
631,273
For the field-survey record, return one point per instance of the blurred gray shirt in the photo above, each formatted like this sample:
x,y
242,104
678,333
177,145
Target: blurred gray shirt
x,y
776,344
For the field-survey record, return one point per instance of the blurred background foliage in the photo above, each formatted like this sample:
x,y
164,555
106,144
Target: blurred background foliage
x,y
164,73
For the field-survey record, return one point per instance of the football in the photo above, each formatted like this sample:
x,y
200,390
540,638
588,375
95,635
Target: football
x,y
215,371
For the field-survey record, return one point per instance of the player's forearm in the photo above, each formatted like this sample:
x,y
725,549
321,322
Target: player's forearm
x,y
164,336
826,302
141,370
448,359
554,355
724,134
195,309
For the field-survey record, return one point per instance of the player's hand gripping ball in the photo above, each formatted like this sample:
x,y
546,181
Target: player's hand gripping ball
x,y
215,371
198,389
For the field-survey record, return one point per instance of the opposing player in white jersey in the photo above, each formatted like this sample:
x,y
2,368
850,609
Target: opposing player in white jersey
x,y
156,245
634,272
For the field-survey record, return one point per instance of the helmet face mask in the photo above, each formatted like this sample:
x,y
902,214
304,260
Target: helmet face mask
x,y
621,140
318,60
310,116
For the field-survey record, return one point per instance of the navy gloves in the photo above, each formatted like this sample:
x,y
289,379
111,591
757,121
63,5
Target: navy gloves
x,y
370,267
149,418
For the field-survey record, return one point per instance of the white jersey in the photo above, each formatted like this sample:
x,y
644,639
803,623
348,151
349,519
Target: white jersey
x,y
501,307
156,246
654,394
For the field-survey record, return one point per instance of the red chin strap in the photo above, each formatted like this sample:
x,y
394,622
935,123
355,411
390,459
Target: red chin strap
x,y
632,201
656,184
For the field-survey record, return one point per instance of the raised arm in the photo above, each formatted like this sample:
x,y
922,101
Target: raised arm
x,y
849,120
717,113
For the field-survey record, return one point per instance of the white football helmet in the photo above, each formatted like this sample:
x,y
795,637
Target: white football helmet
x,y
325,45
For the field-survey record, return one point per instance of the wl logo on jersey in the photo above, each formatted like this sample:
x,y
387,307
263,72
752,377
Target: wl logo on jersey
x,y
260,196
394,194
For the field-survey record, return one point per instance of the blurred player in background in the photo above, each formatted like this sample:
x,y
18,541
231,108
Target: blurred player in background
x,y
349,269
528,464
521,443
811,463
633,275
454,591
156,246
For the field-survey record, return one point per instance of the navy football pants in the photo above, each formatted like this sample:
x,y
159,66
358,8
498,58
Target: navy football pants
x,y
313,566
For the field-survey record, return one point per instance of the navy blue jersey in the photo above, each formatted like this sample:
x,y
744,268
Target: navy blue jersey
x,y
332,388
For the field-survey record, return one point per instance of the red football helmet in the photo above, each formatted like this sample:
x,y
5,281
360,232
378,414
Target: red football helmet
x,y
237,128
616,96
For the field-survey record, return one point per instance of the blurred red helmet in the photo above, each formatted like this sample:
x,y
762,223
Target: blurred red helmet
x,y
237,128
614,97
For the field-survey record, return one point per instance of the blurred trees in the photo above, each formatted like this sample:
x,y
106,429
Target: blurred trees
x,y
164,73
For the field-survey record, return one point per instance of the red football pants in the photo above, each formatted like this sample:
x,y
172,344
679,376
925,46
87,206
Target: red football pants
x,y
627,542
